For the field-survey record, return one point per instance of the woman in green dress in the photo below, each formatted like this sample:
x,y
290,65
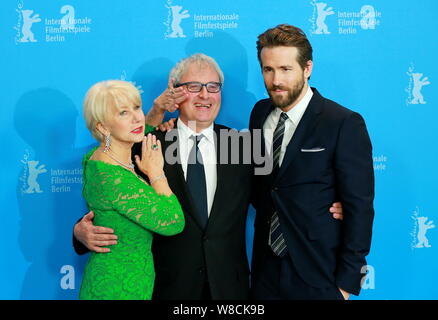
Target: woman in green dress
x,y
120,199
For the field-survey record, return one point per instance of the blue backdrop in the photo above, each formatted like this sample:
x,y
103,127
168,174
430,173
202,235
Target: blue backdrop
x,y
375,57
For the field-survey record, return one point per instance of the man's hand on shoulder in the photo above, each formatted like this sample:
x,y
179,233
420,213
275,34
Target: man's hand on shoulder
x,y
167,126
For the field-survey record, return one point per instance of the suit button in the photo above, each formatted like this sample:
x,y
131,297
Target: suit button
x,y
201,270
275,189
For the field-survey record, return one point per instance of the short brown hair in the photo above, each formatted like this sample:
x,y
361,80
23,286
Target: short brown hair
x,y
288,36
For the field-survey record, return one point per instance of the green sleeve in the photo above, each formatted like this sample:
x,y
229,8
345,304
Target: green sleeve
x,y
134,199
148,128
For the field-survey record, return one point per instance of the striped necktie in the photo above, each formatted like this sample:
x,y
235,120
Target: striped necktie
x,y
278,139
276,239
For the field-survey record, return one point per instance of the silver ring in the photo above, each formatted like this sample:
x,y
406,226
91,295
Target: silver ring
x,y
154,147
171,91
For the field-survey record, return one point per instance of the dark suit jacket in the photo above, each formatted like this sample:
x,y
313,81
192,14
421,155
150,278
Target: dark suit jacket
x,y
324,251
183,262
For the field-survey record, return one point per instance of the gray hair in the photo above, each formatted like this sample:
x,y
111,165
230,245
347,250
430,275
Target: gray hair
x,y
200,59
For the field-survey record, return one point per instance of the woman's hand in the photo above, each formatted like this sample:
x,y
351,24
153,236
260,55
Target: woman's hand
x,y
151,162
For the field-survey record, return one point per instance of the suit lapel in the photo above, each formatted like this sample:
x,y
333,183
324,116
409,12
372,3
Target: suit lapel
x,y
174,171
177,182
259,122
304,129
220,178
269,108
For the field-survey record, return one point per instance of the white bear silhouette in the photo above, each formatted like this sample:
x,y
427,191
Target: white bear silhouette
x,y
28,21
422,229
320,20
177,16
416,90
34,171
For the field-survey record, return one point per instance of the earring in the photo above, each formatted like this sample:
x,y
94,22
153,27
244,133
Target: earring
x,y
107,142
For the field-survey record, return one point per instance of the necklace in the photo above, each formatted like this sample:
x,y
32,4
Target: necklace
x,y
130,166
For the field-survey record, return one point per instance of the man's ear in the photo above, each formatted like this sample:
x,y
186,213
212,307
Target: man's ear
x,y
308,69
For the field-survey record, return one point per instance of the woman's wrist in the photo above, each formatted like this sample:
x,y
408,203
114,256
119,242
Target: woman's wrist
x,y
158,177
153,173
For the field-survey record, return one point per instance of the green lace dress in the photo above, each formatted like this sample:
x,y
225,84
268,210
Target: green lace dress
x,y
122,201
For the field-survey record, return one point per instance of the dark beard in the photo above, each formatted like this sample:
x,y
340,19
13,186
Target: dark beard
x,y
292,95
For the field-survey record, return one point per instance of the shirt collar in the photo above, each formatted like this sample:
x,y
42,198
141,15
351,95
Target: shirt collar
x,y
185,132
296,113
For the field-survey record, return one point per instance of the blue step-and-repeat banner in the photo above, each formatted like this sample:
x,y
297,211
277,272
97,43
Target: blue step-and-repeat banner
x,y
376,57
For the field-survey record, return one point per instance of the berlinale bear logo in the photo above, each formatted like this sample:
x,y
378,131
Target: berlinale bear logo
x,y
322,27
416,83
422,225
34,172
177,15
416,90
423,242
28,21
173,23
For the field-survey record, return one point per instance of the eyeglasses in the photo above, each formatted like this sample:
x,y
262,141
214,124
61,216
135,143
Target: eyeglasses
x,y
193,86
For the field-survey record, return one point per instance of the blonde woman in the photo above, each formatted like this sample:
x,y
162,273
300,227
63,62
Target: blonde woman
x,y
120,199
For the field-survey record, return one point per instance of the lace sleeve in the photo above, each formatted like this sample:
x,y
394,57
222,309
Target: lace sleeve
x,y
131,197
148,128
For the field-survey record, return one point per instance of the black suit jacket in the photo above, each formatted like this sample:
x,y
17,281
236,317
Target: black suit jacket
x,y
185,261
328,159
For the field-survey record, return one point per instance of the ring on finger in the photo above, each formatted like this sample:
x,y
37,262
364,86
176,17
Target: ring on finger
x,y
154,147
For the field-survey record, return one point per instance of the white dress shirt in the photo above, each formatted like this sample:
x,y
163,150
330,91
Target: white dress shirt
x,y
294,116
208,151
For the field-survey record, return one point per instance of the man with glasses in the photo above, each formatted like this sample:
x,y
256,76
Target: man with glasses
x,y
194,87
208,259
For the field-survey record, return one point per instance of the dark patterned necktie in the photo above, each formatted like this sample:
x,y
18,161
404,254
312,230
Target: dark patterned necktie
x,y
278,139
196,181
276,239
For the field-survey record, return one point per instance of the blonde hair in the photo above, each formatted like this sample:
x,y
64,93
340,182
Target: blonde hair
x,y
104,98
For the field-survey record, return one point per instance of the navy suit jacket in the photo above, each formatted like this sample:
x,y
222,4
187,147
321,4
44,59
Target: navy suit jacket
x,y
328,159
